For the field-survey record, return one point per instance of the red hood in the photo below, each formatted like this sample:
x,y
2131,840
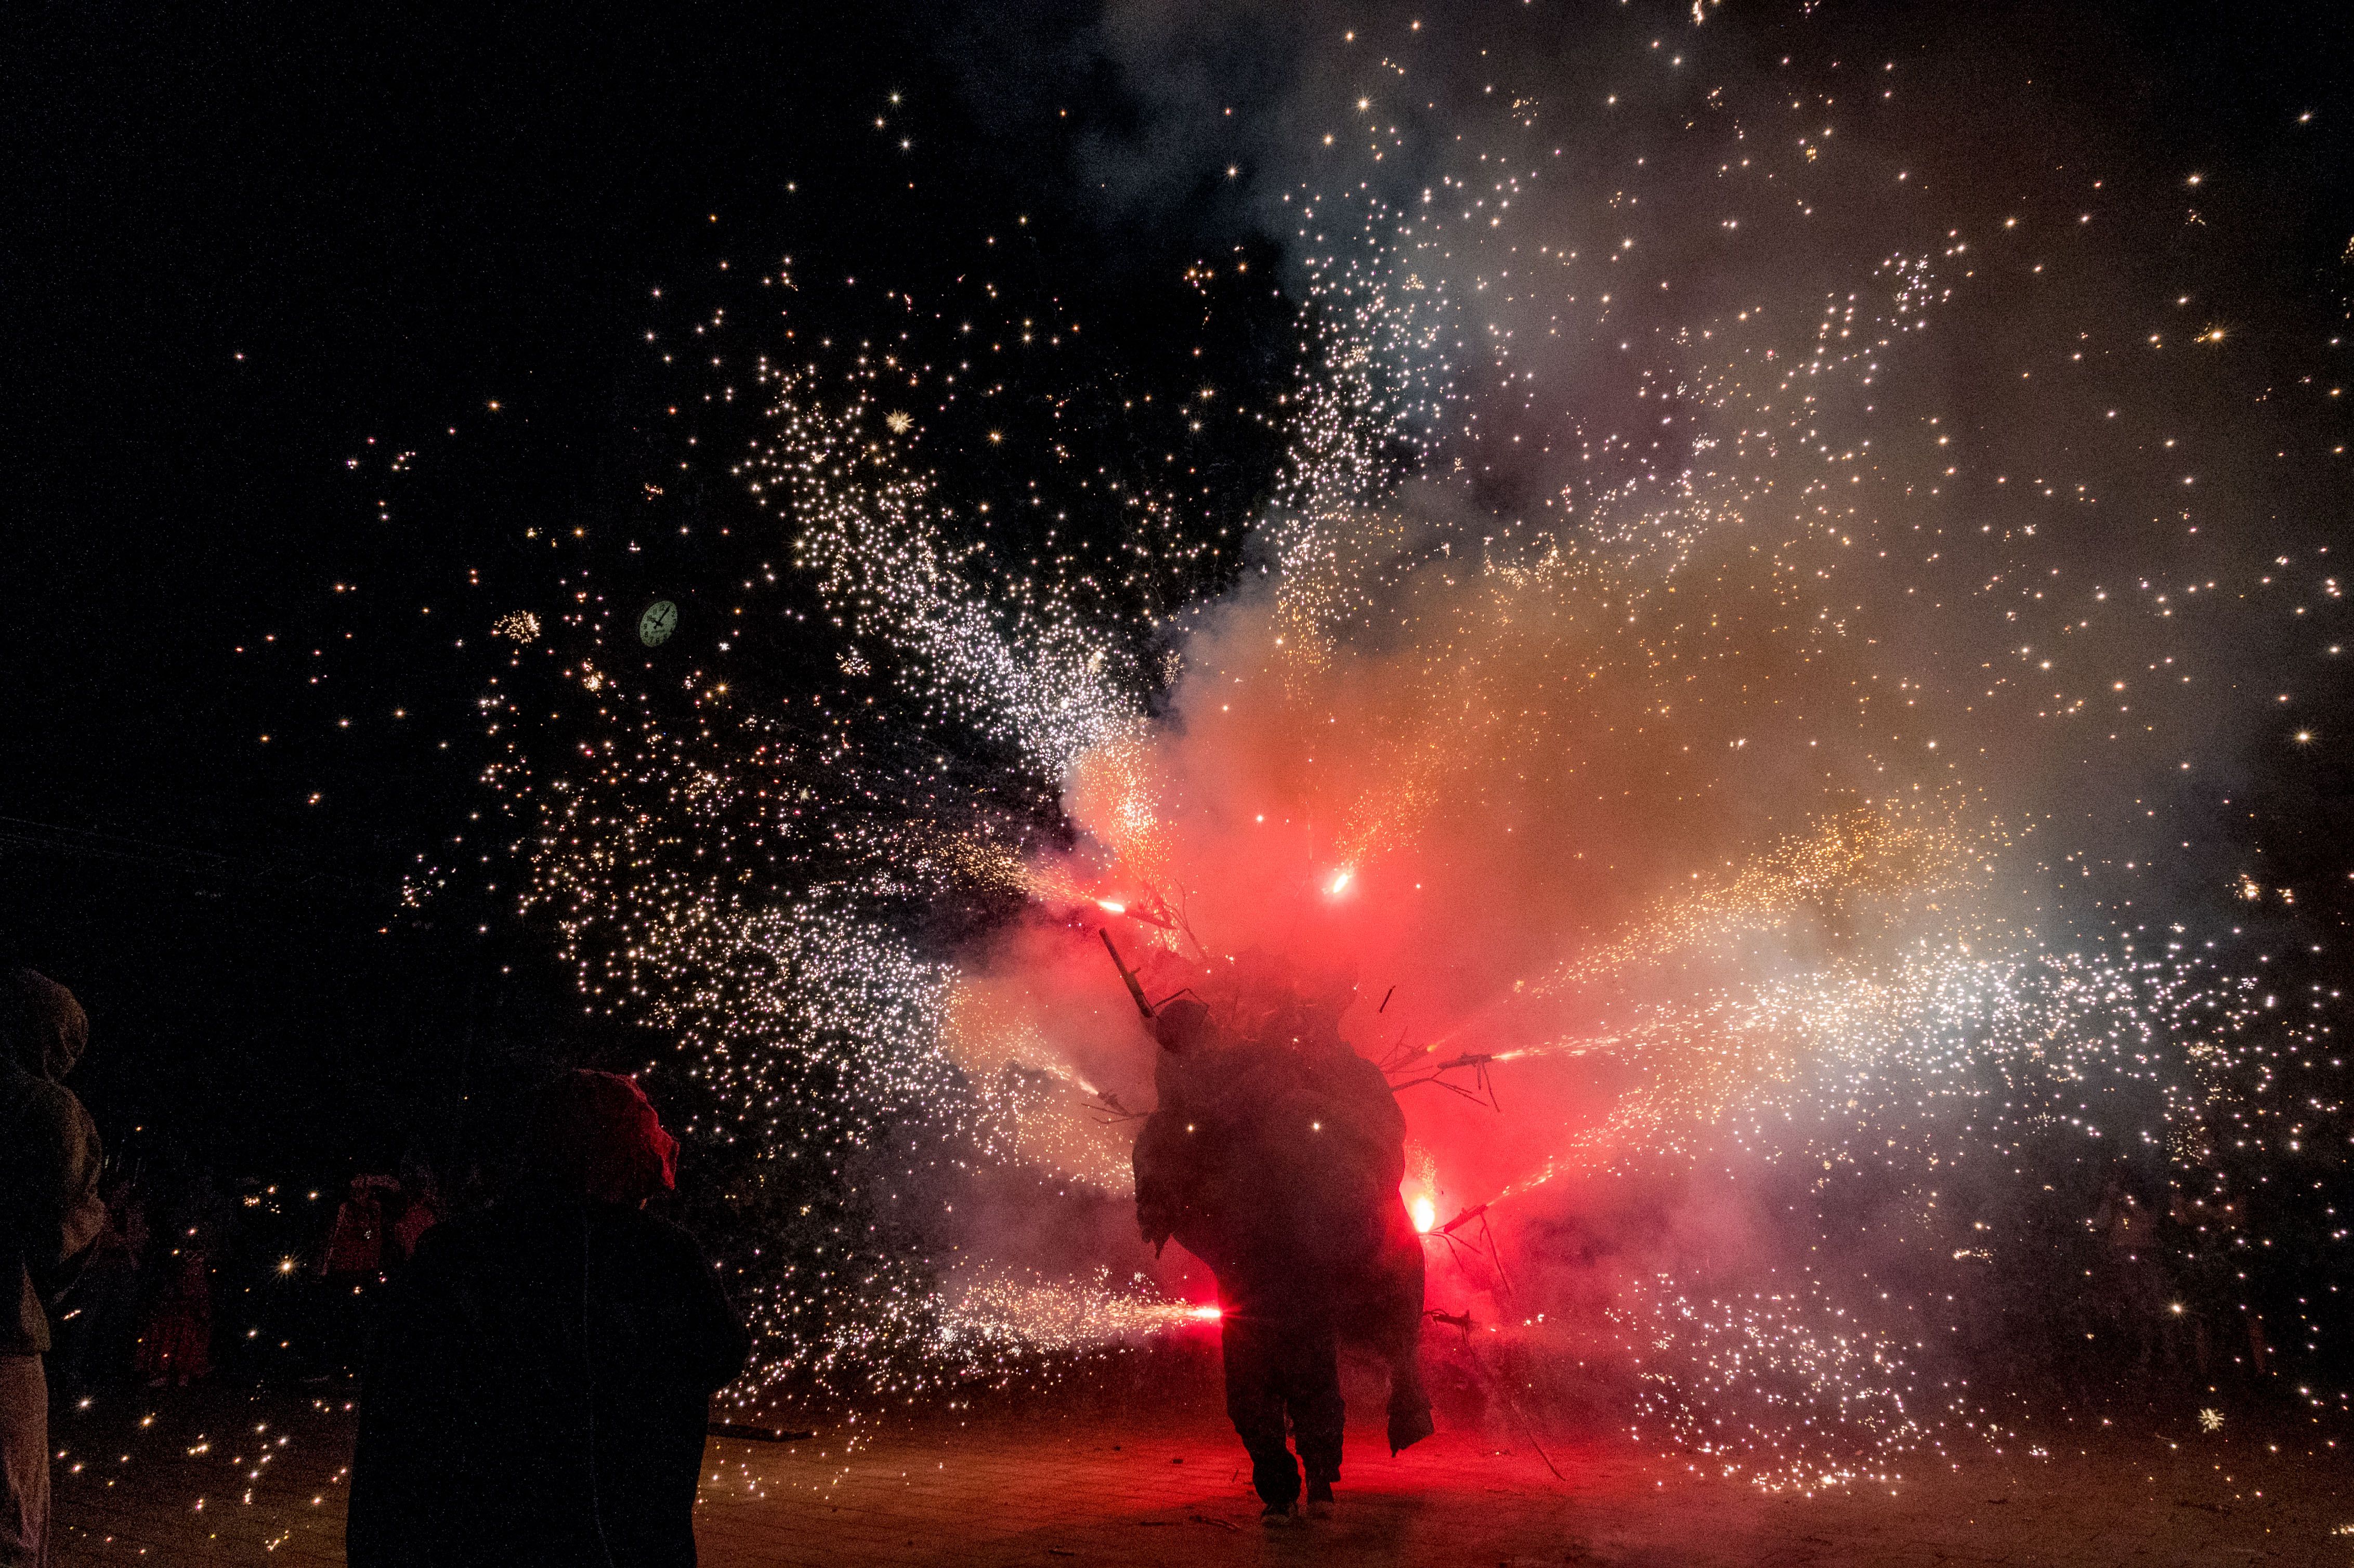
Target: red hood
x,y
596,1136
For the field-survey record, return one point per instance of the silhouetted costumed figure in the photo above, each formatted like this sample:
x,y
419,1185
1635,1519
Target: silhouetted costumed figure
x,y
539,1391
1275,1160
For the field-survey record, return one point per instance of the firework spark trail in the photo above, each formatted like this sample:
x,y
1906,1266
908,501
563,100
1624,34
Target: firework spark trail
x,y
1004,1313
1936,1035
869,530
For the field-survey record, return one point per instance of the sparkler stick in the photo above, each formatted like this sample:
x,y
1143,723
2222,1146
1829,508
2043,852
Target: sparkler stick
x,y
1127,975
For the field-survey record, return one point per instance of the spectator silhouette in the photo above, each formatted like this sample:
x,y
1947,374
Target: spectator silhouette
x,y
351,1264
49,1217
175,1342
93,1348
354,1250
420,1211
540,1386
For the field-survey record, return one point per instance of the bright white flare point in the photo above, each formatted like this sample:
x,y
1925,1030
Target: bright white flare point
x,y
1426,1214
1339,882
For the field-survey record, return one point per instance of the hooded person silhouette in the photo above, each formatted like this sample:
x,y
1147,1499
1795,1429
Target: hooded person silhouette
x,y
539,1391
50,1214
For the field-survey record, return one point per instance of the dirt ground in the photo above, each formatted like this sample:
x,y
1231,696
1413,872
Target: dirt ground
x,y
208,1477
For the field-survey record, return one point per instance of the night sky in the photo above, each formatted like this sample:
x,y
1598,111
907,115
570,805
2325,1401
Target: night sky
x,y
341,337
259,247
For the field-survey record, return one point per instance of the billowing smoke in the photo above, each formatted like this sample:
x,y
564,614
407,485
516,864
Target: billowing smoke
x,y
1735,684
1723,674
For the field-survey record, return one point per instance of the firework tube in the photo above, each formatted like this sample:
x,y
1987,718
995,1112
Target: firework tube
x,y
1127,977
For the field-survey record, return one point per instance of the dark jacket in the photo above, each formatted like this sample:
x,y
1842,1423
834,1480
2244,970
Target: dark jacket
x,y
539,1393
49,1208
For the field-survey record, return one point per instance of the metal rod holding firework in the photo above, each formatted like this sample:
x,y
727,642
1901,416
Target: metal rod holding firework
x,y
1156,910
1466,1217
1486,1090
1495,1252
1478,1212
1127,975
1110,1112
1184,924
1462,1320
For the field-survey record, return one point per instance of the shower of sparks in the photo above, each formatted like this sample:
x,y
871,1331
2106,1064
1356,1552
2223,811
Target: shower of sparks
x,y
1761,679
521,626
1017,1317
